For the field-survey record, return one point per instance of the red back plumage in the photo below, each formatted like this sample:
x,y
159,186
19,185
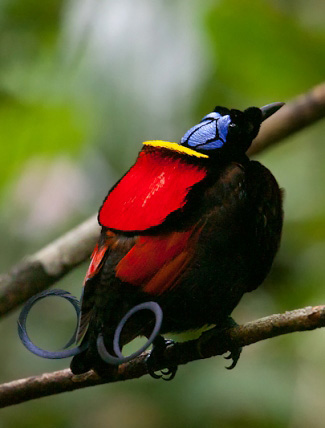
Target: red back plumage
x,y
154,187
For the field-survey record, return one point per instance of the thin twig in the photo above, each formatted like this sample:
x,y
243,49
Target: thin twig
x,y
206,346
40,271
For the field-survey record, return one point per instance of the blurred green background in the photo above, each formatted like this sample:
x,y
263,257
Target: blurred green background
x,y
82,84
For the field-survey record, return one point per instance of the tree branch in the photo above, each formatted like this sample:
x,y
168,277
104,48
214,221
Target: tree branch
x,y
206,346
296,115
43,269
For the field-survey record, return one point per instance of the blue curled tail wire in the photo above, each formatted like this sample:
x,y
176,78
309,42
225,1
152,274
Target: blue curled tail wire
x,y
104,354
120,359
23,332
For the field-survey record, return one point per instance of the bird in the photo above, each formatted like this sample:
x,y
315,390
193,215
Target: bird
x,y
191,226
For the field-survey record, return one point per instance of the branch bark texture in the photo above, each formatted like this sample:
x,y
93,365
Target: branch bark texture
x,y
296,115
208,345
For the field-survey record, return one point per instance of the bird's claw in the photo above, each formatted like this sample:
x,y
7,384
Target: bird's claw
x,y
169,373
156,355
234,355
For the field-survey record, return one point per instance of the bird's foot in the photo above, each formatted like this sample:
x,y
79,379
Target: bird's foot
x,y
156,357
234,352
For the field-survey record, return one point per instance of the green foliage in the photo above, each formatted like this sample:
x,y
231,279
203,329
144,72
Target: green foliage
x,y
29,25
37,114
34,130
261,52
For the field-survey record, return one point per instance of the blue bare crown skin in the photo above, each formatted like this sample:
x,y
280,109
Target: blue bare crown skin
x,y
211,133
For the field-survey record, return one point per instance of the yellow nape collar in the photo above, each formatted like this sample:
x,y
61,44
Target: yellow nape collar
x,y
176,147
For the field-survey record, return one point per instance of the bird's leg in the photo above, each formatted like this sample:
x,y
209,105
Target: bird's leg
x,y
234,352
156,356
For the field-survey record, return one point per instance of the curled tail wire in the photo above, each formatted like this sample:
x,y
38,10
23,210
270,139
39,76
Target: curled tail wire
x,y
120,359
22,331
104,354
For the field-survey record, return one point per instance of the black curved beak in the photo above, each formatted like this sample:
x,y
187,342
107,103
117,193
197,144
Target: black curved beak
x,y
270,109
